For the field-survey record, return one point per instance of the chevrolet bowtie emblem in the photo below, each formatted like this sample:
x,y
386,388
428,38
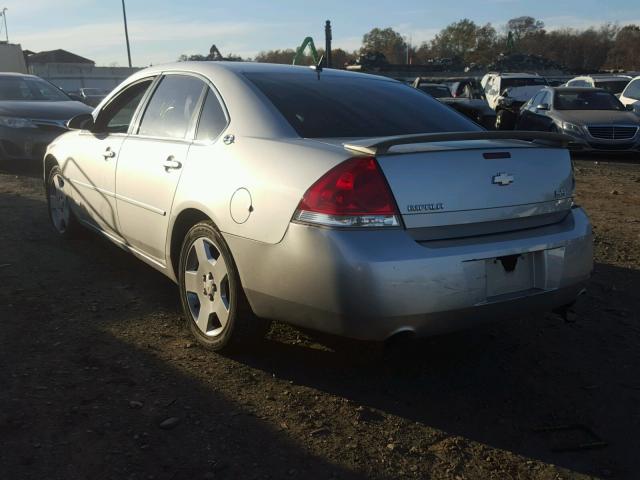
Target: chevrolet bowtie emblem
x,y
503,179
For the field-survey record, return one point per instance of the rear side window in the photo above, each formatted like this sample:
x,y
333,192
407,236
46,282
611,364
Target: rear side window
x,y
172,107
355,106
212,119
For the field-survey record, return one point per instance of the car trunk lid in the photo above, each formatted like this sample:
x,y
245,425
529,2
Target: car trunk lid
x,y
451,189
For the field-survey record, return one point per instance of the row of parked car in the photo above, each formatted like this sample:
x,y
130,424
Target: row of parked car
x,y
600,112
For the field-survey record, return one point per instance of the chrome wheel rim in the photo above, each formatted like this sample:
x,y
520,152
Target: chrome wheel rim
x,y
206,287
59,203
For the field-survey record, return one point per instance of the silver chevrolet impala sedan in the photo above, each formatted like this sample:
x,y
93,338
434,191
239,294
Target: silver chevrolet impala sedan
x,y
340,202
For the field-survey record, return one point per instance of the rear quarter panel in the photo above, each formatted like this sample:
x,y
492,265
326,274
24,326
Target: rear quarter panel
x,y
276,173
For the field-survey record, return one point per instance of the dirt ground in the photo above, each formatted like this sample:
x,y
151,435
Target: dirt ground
x,y
99,379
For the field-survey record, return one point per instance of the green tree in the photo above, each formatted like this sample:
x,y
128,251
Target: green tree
x,y
276,56
464,40
625,54
386,41
520,27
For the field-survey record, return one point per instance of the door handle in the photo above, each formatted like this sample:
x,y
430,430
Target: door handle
x,y
172,164
108,153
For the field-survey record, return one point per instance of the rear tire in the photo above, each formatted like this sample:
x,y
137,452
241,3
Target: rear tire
x,y
61,215
217,312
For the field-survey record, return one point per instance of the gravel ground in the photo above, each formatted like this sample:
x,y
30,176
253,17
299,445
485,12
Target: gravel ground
x,y
98,378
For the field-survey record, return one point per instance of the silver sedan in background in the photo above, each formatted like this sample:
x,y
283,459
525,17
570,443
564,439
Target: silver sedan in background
x,y
331,200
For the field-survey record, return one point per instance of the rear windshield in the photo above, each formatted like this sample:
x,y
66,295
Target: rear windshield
x,y
613,86
587,100
521,82
342,106
436,91
29,88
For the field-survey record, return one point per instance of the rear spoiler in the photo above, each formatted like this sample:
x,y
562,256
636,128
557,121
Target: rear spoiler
x,y
381,145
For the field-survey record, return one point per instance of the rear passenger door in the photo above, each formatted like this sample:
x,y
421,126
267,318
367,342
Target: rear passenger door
x,y
151,161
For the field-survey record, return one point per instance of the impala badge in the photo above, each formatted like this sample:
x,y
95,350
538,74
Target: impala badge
x,y
503,179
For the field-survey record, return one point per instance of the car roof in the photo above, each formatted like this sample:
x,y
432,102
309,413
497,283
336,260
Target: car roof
x,y
16,74
518,75
576,89
207,68
604,77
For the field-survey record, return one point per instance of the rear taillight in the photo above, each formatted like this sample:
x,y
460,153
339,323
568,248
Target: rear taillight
x,y
352,194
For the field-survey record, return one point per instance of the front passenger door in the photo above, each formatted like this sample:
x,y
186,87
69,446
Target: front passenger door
x,y
151,161
92,169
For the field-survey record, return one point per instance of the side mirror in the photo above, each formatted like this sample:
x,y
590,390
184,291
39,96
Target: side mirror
x,y
543,106
631,107
84,121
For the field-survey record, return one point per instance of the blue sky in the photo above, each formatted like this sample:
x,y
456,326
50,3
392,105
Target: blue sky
x,y
161,30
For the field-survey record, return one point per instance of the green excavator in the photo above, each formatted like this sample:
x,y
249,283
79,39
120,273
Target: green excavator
x,y
307,42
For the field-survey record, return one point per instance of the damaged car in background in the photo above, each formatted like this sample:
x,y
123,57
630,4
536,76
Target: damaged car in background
x,y
464,95
335,201
595,118
507,92
33,112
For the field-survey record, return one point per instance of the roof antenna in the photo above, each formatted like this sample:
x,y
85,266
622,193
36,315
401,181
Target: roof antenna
x,y
318,66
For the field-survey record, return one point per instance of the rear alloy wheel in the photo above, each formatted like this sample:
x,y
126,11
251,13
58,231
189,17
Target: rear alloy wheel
x,y
60,213
213,300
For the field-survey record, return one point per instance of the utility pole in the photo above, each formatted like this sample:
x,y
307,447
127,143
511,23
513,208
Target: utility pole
x,y
327,44
4,16
126,32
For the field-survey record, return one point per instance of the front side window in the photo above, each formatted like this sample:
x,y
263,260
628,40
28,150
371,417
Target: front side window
x,y
355,106
117,115
546,98
537,100
212,119
172,107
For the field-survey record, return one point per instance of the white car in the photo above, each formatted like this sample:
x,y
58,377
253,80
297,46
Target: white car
x,y
612,83
341,202
631,95
507,92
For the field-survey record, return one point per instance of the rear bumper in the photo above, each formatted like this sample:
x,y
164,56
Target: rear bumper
x,y
371,285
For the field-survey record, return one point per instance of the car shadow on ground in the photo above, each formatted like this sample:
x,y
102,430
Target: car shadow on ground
x,y
505,384
84,328
31,169
84,393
